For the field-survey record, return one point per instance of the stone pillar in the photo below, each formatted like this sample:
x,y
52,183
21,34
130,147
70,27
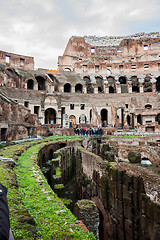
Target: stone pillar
x,y
72,89
58,119
154,87
106,89
95,89
140,88
129,88
36,86
86,211
61,89
118,88
42,120
84,90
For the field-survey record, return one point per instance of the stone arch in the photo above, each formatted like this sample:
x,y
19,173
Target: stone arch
x,y
123,83
14,76
111,84
79,88
82,119
135,84
67,87
111,89
148,106
122,80
89,85
41,82
100,84
72,121
30,84
104,117
67,69
50,116
147,85
158,84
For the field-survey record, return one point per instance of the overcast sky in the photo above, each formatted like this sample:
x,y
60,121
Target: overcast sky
x,y
42,28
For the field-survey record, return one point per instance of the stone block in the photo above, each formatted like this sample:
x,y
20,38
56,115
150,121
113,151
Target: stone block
x,y
134,157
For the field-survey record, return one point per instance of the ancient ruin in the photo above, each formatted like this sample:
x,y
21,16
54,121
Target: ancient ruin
x,y
105,81
109,181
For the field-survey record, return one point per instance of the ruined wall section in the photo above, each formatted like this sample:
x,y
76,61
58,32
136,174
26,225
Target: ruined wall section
x,y
128,213
148,149
16,60
16,121
90,54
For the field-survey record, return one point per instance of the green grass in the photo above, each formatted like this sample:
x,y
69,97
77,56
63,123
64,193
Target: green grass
x,y
34,197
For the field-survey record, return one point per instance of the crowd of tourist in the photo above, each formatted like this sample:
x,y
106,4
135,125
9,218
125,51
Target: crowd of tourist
x,y
91,131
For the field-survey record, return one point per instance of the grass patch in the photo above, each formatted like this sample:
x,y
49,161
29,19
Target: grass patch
x,y
33,198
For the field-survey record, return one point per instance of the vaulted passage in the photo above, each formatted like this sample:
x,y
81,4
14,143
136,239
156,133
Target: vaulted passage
x,y
41,83
50,116
78,88
30,84
67,87
104,117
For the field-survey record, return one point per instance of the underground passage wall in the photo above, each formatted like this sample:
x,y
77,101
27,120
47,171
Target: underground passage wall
x,y
127,212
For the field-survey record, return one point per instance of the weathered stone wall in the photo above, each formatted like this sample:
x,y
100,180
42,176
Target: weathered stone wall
x,y
120,195
15,60
148,147
16,119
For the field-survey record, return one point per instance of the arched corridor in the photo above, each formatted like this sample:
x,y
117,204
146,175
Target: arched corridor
x,y
50,116
104,117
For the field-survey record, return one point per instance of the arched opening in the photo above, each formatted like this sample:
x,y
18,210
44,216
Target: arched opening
x,y
104,117
30,84
41,83
148,106
72,121
147,85
78,88
122,80
135,89
100,90
123,83
158,84
89,86
82,119
99,81
111,89
158,118
67,70
50,116
128,120
67,87
135,84
139,119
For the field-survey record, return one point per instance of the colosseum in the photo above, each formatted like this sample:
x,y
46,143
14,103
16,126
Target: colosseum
x,y
110,183
112,82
